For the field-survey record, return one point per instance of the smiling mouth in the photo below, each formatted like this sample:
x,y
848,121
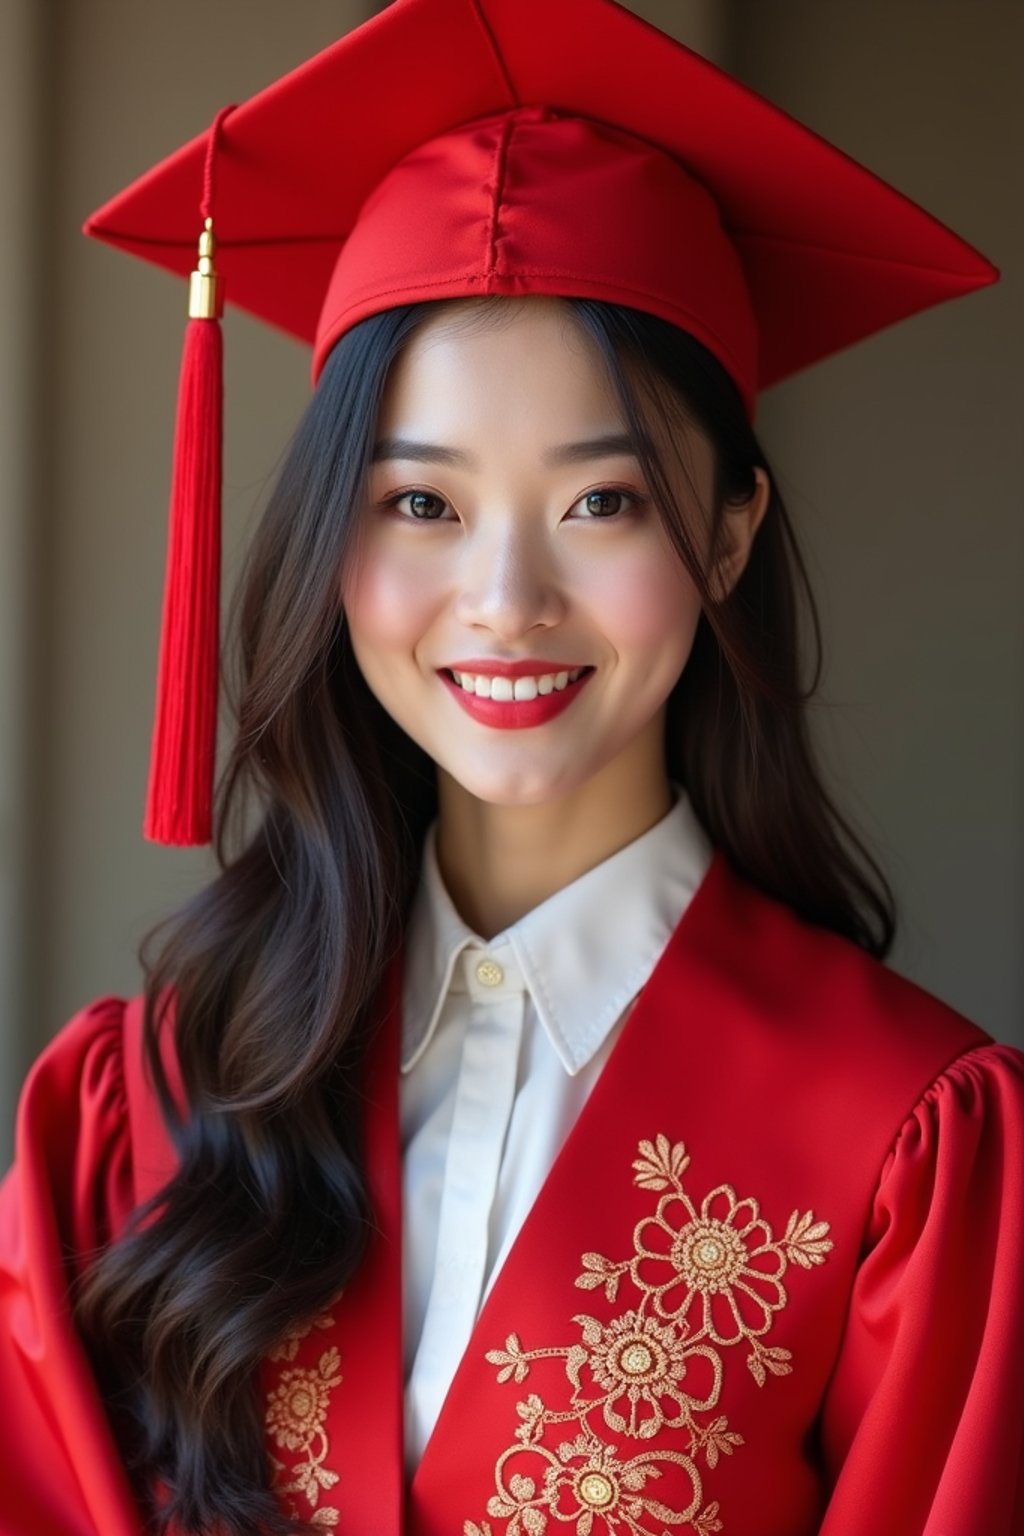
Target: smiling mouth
x,y
505,690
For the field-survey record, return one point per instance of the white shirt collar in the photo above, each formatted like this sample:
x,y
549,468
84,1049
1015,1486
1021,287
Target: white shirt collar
x,y
584,953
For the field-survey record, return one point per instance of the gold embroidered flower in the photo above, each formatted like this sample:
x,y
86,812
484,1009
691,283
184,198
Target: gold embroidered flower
x,y
640,1365
585,1480
297,1407
718,1268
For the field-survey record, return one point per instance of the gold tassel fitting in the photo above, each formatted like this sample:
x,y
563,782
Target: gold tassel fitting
x,y
205,301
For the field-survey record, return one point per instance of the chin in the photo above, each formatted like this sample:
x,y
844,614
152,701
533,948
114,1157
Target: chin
x,y
517,786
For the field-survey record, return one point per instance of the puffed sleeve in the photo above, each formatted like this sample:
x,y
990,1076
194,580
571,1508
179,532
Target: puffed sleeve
x,y
69,1191
923,1423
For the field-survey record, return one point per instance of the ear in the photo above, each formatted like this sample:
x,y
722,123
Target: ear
x,y
742,520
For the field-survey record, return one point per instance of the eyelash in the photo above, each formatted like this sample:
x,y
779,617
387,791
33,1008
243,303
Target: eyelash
x,y
634,500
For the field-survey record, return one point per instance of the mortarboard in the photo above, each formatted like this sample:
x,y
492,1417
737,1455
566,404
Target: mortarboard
x,y
450,148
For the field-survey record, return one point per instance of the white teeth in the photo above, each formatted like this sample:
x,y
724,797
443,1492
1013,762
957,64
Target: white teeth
x,y
504,689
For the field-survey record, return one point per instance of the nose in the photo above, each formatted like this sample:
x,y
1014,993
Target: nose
x,y
509,582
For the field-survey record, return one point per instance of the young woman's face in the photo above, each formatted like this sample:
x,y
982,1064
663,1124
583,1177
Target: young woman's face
x,y
502,525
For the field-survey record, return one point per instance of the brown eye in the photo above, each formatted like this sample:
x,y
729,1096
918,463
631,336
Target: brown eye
x,y
603,503
424,506
608,503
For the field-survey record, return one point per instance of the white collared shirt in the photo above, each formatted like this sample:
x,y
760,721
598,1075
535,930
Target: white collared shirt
x,y
502,1041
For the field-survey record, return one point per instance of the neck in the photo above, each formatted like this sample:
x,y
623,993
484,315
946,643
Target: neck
x,y
498,862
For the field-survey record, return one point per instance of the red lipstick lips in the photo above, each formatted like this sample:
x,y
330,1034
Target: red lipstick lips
x,y
515,714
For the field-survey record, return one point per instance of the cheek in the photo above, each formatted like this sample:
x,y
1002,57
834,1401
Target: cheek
x,y
650,603
386,598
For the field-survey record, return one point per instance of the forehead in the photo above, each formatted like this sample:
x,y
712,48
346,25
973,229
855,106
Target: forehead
x,y
519,358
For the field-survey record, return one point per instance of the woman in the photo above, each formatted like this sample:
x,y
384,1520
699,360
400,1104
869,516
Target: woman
x,y
522,1129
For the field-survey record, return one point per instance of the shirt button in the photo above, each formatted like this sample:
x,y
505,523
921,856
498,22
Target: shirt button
x,y
489,973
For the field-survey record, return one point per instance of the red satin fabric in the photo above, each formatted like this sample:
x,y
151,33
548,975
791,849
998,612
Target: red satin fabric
x,y
530,202
923,1424
903,1414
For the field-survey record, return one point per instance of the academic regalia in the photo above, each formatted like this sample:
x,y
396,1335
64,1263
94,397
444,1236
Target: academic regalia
x,y
790,1217
768,1285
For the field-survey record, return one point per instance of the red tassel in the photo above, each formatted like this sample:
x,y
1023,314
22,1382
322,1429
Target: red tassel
x,y
179,805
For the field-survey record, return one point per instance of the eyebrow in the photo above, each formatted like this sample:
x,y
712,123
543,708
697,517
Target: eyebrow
x,y
611,445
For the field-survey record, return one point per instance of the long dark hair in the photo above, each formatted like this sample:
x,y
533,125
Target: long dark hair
x,y
274,968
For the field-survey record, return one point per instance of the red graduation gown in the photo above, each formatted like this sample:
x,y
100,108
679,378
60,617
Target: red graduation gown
x,y
770,1287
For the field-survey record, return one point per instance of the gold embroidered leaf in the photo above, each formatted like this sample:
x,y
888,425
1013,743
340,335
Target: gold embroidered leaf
x,y
310,1478
585,1523
575,1360
499,1507
592,1329
287,1349
470,1528
532,1413
757,1369
778,1361
720,1440
535,1521
660,1164
613,1419
805,1241
327,1518
522,1488
595,1269
708,1522
600,1271
329,1366
511,1360
649,1427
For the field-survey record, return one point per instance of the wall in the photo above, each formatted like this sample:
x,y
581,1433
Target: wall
x,y
903,459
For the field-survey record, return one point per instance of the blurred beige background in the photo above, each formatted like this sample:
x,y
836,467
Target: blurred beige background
x,y
903,462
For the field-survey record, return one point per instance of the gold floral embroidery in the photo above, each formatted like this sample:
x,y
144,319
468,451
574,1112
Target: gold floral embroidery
x,y
295,1415
707,1278
289,1345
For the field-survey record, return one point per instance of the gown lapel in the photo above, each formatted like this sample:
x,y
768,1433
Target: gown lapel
x,y
334,1388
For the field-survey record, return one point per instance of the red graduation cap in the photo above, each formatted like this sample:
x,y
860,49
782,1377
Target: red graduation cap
x,y
450,148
